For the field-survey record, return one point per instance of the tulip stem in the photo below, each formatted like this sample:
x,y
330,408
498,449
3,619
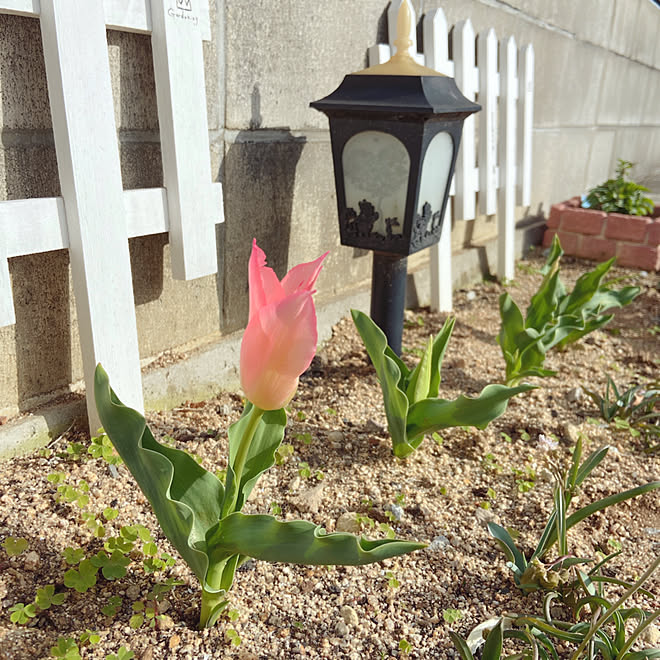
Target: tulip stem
x,y
241,455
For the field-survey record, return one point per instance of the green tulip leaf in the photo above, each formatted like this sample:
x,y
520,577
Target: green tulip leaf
x,y
185,497
420,380
389,375
436,414
508,546
439,347
297,542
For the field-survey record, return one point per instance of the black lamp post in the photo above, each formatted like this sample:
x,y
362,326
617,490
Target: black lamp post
x,y
395,129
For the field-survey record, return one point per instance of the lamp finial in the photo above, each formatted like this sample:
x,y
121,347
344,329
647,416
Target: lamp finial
x,y
403,62
403,42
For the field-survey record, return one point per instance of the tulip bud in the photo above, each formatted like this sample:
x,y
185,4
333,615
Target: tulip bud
x,y
280,339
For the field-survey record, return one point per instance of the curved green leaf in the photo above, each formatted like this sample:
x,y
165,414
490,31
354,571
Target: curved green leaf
x,y
599,505
461,646
508,546
435,414
420,379
298,542
185,497
493,646
439,347
389,375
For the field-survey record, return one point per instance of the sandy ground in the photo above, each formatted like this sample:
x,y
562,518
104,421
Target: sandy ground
x,y
340,468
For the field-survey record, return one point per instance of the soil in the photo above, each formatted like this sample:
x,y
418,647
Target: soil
x,y
443,494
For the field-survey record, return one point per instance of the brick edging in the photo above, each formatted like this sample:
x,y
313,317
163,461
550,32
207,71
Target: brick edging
x,y
633,240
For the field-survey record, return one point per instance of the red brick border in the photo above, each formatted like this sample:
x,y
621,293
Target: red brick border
x,y
633,240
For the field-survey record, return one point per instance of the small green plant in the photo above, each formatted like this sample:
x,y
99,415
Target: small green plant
x,y
22,613
554,317
46,597
122,654
232,637
531,573
73,556
275,509
66,648
83,578
282,453
392,582
619,195
412,406
112,607
635,409
451,615
305,438
15,545
405,646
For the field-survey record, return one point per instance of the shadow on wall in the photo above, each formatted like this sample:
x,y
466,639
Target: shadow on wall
x,y
258,173
40,282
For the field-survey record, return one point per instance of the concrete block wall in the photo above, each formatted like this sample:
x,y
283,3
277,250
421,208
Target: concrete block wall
x,y
597,99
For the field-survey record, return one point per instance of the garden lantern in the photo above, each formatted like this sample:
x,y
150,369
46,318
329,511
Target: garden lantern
x,y
395,129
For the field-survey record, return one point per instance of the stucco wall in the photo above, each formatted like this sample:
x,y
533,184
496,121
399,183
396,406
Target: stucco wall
x,y
597,99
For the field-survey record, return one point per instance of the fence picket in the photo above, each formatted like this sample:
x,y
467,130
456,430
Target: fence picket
x,y
181,98
507,160
487,56
436,42
466,184
525,123
92,190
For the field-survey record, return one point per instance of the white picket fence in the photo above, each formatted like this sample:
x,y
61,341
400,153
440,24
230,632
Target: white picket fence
x,y
500,170
95,217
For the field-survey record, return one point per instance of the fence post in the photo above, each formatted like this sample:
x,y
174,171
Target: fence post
x,y
193,204
525,120
488,92
467,81
78,76
436,52
507,157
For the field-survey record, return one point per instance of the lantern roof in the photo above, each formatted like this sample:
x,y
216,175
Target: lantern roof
x,y
422,96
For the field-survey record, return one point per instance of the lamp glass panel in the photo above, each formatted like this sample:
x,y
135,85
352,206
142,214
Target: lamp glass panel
x,y
435,175
376,168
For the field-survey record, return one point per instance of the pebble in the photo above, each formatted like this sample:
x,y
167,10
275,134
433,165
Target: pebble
x,y
397,512
651,636
310,500
347,523
175,640
484,516
341,629
32,561
575,395
336,436
571,432
133,592
349,615
294,484
440,542
470,295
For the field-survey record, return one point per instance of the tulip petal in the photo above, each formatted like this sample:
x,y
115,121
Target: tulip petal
x,y
264,286
278,345
303,276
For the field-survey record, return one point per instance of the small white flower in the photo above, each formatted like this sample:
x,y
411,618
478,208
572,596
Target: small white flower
x,y
547,444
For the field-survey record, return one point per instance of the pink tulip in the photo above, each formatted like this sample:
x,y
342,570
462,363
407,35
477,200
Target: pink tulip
x,y
280,339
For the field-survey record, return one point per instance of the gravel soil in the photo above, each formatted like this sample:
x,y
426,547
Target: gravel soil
x,y
341,472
